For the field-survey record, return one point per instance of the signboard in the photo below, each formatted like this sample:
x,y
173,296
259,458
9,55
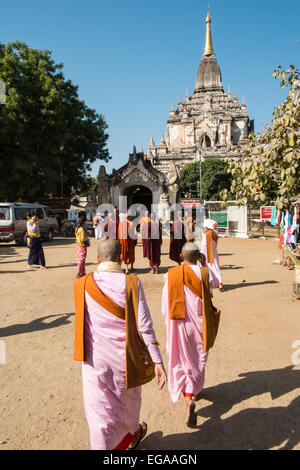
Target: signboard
x,y
266,212
73,215
190,203
220,217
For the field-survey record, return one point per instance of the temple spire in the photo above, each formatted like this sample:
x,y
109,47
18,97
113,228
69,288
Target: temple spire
x,y
208,49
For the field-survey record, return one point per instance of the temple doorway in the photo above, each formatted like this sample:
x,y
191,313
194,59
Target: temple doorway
x,y
139,195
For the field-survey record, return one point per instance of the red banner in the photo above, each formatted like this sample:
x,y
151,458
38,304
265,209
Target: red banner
x,y
266,212
190,203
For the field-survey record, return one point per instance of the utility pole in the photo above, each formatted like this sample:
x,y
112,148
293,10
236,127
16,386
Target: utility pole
x,y
61,172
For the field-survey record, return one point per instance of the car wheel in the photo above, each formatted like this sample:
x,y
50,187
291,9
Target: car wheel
x,y
24,239
50,236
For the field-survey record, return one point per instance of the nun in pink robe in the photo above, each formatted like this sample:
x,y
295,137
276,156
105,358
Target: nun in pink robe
x,y
112,411
186,356
215,266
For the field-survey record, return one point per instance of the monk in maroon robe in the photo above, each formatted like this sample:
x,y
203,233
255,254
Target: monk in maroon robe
x,y
111,228
177,239
155,241
128,241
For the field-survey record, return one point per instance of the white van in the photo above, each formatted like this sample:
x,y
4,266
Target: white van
x,y
13,219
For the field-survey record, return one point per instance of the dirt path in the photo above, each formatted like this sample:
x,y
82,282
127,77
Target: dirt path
x,y
252,388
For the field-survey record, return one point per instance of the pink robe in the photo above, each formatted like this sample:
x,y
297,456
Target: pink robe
x,y
186,357
112,411
215,266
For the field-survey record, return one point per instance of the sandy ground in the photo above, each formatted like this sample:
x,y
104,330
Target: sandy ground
x,y
251,398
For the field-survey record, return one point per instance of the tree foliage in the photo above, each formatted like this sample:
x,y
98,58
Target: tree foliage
x,y
269,168
215,178
46,131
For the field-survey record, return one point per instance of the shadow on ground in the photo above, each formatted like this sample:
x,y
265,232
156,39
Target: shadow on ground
x,y
35,325
162,270
36,267
252,428
225,254
230,266
7,250
60,242
15,261
227,287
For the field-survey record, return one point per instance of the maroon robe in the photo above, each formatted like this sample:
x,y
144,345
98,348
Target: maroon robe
x,y
155,241
127,243
111,229
177,240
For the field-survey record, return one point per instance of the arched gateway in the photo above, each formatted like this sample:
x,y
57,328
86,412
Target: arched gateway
x,y
137,182
139,195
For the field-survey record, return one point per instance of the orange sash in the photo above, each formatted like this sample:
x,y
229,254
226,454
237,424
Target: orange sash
x,y
177,278
210,236
139,365
184,275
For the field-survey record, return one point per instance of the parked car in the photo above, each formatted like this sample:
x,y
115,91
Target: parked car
x,y
13,218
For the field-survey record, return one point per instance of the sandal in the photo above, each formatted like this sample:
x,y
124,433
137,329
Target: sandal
x,y
141,433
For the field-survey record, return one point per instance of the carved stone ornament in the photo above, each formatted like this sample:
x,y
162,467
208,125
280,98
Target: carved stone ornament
x,y
164,198
174,188
172,174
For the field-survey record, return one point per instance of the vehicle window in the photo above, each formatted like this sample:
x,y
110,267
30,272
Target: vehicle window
x,y
39,212
21,213
4,213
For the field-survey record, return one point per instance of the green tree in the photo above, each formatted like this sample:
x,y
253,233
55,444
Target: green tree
x,y
269,168
46,132
215,178
90,184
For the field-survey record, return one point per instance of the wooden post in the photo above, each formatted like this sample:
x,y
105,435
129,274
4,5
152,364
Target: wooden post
x,y
263,227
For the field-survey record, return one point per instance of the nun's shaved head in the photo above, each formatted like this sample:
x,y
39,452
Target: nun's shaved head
x,y
109,250
190,252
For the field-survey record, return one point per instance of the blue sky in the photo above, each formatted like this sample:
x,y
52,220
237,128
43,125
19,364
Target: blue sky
x,y
133,59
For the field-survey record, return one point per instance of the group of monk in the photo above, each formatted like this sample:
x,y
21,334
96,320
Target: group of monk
x,y
114,335
126,232
150,228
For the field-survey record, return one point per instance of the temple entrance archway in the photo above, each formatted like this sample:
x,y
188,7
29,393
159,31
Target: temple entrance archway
x,y
140,195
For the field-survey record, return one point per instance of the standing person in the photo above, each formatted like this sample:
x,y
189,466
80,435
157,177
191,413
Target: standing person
x,y
36,252
209,249
125,236
189,227
177,238
98,223
155,241
119,353
111,226
82,242
116,220
144,225
191,327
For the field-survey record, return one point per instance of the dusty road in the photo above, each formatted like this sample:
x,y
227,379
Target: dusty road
x,y
252,387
